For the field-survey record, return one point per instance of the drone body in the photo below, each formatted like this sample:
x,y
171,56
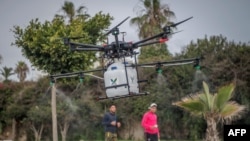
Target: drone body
x,y
120,75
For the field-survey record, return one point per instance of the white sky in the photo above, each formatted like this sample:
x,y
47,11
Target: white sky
x,y
210,17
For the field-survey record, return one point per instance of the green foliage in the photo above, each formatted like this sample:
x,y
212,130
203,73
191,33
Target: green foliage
x,y
40,42
6,94
39,114
154,53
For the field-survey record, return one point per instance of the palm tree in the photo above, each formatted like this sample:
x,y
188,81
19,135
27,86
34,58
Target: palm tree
x,y
69,9
214,108
6,73
21,70
152,17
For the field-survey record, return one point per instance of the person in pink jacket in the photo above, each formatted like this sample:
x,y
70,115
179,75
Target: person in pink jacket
x,y
150,125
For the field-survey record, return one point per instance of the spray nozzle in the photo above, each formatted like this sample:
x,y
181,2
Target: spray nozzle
x,y
197,64
198,67
52,81
81,77
158,69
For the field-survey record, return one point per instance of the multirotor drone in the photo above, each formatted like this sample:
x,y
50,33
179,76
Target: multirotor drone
x,y
121,76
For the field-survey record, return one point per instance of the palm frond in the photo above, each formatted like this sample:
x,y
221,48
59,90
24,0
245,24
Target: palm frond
x,y
224,94
192,104
232,111
207,94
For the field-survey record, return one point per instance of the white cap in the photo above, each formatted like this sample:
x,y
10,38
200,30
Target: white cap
x,y
152,105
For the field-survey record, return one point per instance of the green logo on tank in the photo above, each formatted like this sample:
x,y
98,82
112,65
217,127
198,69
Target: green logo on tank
x,y
113,82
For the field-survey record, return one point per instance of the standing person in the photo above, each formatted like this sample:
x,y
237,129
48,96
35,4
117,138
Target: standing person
x,y
150,125
110,124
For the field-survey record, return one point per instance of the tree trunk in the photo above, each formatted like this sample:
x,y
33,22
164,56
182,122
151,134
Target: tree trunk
x,y
54,117
64,130
13,129
37,133
40,132
211,131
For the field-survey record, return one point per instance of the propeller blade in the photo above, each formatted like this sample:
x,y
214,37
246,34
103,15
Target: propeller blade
x,y
176,32
115,27
174,25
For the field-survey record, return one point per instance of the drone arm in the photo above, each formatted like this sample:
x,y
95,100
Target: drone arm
x,y
172,63
147,39
187,61
153,42
87,49
85,45
148,43
73,74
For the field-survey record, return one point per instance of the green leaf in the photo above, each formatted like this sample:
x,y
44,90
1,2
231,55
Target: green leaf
x,y
207,94
224,95
194,106
231,109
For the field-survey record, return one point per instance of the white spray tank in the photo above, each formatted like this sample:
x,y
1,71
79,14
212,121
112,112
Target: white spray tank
x,y
121,80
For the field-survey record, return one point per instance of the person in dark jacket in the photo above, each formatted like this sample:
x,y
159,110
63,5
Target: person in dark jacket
x,y
111,124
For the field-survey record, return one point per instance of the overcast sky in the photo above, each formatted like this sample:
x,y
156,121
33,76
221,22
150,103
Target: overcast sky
x,y
229,18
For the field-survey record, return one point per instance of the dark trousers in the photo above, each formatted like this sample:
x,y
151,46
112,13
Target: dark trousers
x,y
151,137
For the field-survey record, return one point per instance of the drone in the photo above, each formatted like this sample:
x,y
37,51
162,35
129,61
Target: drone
x,y
121,78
